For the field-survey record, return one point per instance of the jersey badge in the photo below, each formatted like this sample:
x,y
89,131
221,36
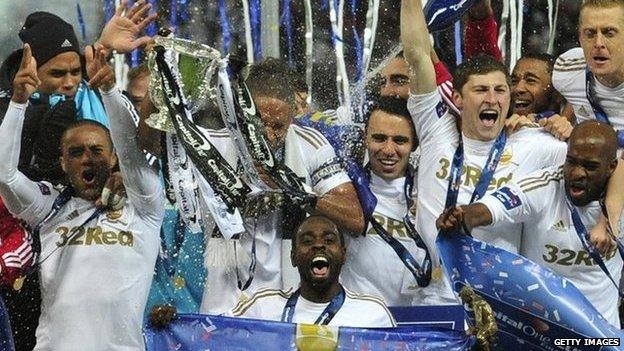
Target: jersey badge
x,y
507,197
441,109
506,157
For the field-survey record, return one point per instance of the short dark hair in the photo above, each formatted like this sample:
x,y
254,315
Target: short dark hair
x,y
481,64
271,77
393,105
82,123
294,237
544,57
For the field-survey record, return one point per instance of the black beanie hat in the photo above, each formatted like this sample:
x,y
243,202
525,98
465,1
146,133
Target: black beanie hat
x,y
48,35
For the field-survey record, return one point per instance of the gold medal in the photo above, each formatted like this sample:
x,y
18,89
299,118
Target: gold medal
x,y
178,282
18,283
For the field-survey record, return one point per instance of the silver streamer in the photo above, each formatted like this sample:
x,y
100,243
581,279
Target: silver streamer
x,y
342,79
552,22
372,18
309,47
248,38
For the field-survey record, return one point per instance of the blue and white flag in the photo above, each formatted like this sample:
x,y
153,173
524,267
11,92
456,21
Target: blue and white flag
x,y
201,332
534,307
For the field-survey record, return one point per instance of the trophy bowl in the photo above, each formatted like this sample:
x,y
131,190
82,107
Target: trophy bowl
x,y
196,65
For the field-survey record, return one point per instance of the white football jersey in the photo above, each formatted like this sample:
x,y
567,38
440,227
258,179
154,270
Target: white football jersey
x,y
525,151
372,266
94,284
569,79
312,158
538,201
358,311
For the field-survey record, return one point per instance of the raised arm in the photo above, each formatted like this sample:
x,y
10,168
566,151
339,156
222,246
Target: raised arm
x,y
18,192
416,47
482,31
141,181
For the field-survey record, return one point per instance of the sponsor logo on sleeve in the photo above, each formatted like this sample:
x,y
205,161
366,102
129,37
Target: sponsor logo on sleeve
x,y
508,197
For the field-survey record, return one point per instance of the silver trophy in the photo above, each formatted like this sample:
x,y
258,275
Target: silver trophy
x,y
201,74
197,64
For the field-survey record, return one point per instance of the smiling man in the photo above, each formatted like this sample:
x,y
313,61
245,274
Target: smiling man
x,y
373,266
318,252
482,154
544,202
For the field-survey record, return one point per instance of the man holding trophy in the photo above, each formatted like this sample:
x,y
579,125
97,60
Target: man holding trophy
x,y
256,179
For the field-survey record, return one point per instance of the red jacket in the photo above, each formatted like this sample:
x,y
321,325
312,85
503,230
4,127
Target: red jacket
x,y
15,247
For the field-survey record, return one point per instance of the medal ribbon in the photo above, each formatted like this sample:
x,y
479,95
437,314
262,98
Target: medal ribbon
x,y
583,236
422,273
328,314
486,174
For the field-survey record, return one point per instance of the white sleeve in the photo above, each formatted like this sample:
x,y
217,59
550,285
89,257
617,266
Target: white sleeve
x,y
18,192
529,196
325,170
142,183
431,118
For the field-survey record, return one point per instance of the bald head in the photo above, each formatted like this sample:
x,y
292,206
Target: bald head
x,y
596,134
590,161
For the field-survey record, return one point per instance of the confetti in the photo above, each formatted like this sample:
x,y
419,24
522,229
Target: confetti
x,y
556,315
503,274
532,287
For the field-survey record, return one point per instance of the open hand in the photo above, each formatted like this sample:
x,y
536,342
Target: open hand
x,y
121,33
26,80
517,122
101,74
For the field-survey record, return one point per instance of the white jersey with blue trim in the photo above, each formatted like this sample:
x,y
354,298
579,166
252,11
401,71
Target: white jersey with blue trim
x,y
527,150
538,201
310,156
358,310
569,79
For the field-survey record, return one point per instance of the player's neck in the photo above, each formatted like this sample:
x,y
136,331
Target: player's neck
x,y
611,80
319,295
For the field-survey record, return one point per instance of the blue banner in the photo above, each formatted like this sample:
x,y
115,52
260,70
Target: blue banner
x,y
201,332
534,307
448,316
